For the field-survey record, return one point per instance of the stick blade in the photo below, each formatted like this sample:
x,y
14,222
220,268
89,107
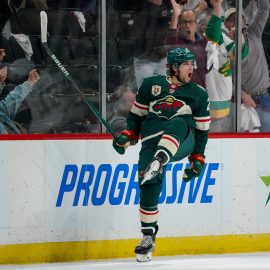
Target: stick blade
x,y
43,26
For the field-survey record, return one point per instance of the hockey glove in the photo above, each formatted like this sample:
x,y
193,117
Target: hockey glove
x,y
196,166
124,140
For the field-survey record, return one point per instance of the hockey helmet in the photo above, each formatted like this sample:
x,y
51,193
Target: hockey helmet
x,y
179,55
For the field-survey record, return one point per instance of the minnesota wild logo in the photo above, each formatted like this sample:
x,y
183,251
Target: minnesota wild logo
x,y
266,181
167,107
225,70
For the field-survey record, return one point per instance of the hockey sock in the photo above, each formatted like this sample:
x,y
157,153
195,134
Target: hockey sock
x,y
149,212
168,145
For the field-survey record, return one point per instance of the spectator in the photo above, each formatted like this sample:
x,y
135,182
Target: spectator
x,y
158,16
11,103
122,99
3,76
2,54
266,42
249,8
3,70
255,76
219,78
187,36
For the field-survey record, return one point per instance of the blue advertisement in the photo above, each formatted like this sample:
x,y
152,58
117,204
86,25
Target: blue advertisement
x,y
118,185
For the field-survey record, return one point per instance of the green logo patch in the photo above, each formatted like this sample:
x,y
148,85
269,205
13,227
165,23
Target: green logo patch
x,y
266,181
167,107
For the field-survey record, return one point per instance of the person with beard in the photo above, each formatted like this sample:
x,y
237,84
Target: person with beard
x,y
171,113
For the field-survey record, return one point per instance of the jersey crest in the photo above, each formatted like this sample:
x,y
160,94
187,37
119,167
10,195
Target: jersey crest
x,y
169,107
156,90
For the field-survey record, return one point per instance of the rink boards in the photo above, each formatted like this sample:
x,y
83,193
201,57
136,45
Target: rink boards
x,y
63,200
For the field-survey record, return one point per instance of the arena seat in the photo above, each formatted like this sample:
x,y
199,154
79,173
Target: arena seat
x,y
113,77
83,51
75,29
85,76
60,47
18,51
26,21
127,51
38,57
57,25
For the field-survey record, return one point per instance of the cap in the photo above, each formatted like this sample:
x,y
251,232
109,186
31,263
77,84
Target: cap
x,y
228,13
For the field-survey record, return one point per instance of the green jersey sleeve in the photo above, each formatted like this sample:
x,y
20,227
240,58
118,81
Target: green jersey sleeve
x,y
202,120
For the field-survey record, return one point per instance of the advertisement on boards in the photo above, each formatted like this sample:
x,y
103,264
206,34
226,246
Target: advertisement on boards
x,y
98,186
76,190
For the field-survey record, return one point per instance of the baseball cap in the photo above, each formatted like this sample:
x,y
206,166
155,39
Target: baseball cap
x,y
228,13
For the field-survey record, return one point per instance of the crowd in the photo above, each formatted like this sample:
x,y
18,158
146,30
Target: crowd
x,y
206,27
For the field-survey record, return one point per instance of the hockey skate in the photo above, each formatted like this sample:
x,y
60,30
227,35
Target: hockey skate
x,y
154,167
146,247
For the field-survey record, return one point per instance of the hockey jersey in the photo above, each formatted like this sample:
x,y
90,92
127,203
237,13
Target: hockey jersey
x,y
219,83
159,100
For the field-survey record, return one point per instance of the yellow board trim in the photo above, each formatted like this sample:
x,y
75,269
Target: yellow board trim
x,y
110,249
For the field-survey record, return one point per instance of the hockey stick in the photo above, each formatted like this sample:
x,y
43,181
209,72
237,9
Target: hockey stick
x,y
43,25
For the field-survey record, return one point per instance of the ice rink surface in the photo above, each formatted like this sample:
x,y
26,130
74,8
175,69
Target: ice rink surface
x,y
252,261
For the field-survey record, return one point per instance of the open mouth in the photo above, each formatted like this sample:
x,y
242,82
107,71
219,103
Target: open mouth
x,y
189,75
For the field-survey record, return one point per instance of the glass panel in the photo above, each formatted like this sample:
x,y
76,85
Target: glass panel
x,y
253,115
230,42
135,34
255,69
138,36
54,105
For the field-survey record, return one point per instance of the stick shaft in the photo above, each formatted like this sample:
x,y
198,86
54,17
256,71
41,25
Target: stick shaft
x,y
68,77
44,23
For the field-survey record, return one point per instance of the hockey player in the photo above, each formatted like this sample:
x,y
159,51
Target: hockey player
x,y
171,113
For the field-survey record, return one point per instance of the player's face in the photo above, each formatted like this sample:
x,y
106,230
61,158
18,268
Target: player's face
x,y
185,71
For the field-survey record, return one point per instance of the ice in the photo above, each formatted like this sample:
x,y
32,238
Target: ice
x,y
246,261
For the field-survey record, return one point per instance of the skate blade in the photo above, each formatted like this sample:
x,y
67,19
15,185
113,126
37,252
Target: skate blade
x,y
144,257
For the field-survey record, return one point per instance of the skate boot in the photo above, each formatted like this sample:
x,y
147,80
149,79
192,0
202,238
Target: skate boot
x,y
147,246
154,167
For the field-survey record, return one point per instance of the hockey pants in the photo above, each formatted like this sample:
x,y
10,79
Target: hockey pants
x,y
174,136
